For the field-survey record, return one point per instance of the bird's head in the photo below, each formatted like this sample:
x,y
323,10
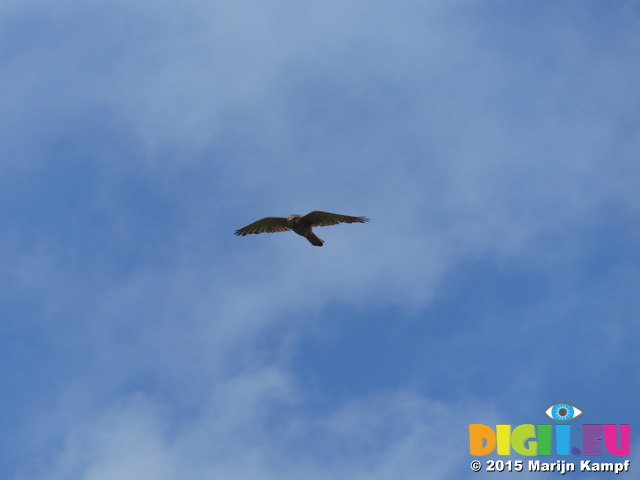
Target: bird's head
x,y
294,219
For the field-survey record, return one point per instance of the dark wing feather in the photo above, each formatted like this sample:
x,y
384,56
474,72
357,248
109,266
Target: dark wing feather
x,y
324,219
266,225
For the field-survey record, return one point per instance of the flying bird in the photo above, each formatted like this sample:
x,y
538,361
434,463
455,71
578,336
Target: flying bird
x,y
300,224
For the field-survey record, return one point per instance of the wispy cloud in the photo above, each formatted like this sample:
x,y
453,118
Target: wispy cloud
x,y
494,149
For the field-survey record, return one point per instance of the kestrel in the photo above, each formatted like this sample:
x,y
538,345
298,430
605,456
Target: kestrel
x,y
299,224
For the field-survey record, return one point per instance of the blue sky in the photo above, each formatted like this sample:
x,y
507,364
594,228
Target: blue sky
x,y
493,145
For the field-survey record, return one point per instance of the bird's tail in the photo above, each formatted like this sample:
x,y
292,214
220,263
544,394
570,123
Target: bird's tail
x,y
313,238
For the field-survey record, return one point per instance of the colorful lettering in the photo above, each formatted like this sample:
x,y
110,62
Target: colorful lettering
x,y
592,439
478,435
563,439
504,439
544,439
611,439
530,440
522,435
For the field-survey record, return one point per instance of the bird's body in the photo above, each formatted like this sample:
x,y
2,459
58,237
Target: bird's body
x,y
302,225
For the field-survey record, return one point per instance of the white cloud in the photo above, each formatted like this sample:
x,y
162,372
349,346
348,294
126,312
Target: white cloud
x,y
404,435
457,146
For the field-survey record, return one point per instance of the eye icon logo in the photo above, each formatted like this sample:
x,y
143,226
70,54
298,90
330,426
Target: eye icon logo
x,y
563,412
531,440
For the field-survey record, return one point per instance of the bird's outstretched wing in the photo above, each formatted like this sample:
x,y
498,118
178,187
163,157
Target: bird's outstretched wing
x,y
265,225
324,219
